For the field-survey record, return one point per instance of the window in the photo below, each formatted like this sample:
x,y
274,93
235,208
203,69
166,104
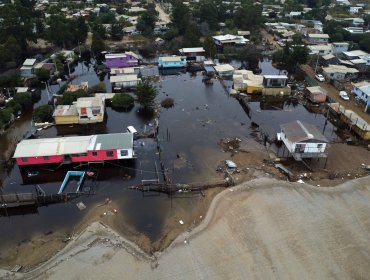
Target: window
x,y
109,153
124,153
94,154
46,158
319,146
24,159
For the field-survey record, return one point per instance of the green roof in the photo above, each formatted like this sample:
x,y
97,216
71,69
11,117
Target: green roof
x,y
114,141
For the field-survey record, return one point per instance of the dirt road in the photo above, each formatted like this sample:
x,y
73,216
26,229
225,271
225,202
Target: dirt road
x,y
263,229
334,94
163,16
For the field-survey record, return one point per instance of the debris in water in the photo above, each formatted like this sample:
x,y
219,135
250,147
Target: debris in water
x,y
230,164
181,222
80,205
16,268
300,181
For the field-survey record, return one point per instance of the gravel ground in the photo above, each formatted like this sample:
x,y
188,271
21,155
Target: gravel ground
x,y
261,229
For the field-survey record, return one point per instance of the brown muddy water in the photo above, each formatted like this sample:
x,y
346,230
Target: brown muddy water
x,y
188,136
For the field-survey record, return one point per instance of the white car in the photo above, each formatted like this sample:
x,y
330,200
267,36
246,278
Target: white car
x,y
320,77
344,95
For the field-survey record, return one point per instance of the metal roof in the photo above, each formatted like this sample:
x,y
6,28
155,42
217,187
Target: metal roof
x,y
113,141
316,90
223,68
299,132
29,62
191,50
52,146
275,77
73,145
326,36
124,78
65,110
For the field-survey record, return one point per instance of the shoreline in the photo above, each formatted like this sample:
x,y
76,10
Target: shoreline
x,y
99,234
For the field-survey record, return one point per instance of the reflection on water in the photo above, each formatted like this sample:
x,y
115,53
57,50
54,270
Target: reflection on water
x,y
188,136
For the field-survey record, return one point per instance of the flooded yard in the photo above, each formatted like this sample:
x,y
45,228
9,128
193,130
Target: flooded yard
x,y
188,141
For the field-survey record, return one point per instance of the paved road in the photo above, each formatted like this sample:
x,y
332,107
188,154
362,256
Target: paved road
x,y
334,94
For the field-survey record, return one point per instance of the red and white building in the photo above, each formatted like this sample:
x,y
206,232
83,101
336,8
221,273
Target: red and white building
x,y
76,149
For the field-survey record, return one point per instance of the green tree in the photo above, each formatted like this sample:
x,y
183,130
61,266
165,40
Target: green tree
x,y
248,16
146,94
70,96
116,32
6,116
209,47
24,99
364,44
44,113
122,100
97,45
42,74
180,16
146,22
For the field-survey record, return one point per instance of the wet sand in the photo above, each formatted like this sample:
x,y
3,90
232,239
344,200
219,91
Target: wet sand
x,y
264,228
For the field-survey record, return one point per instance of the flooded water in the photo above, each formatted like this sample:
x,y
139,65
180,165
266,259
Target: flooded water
x,y
188,137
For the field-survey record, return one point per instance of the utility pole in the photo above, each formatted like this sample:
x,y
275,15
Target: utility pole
x,y
317,61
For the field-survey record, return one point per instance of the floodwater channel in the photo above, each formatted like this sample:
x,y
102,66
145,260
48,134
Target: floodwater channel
x,y
188,137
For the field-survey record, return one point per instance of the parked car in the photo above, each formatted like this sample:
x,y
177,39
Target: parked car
x,y
344,95
320,78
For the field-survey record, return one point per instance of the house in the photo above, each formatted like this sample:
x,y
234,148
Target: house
x,y
90,109
340,47
224,70
355,30
27,70
355,54
50,67
84,110
316,94
76,149
120,60
228,39
196,54
328,59
320,49
246,81
362,91
318,39
339,72
124,81
303,140
171,62
358,125
355,9
124,71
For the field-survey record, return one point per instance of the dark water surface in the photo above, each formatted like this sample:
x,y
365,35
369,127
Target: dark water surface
x,y
188,136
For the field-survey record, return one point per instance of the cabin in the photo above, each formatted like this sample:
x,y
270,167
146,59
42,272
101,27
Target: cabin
x,y
125,81
121,60
318,39
316,94
339,72
303,140
195,54
165,62
75,149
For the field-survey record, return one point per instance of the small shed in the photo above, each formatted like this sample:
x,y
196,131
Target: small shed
x,y
316,94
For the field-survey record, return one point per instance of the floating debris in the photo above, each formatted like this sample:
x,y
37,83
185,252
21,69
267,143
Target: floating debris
x,y
80,205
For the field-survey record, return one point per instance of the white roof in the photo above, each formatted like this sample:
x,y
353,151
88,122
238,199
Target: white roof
x,y
191,50
229,37
170,58
88,102
325,36
275,76
115,55
124,78
358,61
331,69
223,68
52,146
356,53
29,62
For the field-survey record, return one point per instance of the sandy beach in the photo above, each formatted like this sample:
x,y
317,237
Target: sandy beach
x,y
263,228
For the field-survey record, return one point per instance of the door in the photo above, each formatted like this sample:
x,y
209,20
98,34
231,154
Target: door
x,y
299,148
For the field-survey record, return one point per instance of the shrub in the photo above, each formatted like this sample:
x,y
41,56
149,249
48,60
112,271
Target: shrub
x,y
167,103
122,100
24,99
99,88
70,96
43,113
